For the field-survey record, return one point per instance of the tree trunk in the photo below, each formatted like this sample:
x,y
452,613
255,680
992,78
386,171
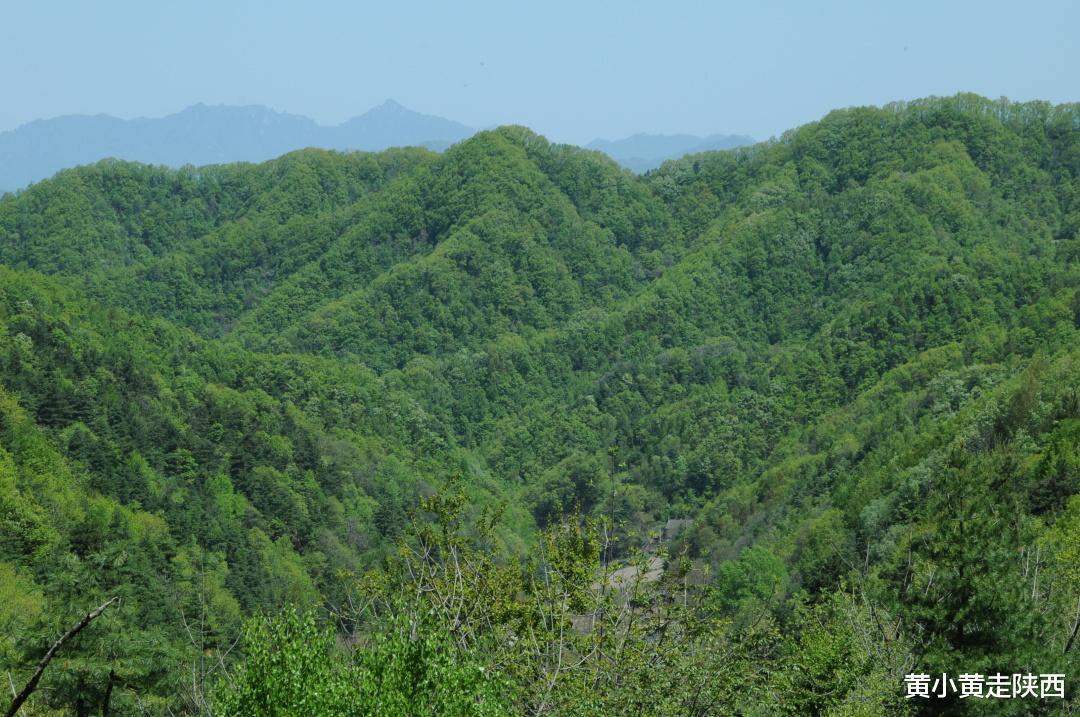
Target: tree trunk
x,y
108,695
1076,629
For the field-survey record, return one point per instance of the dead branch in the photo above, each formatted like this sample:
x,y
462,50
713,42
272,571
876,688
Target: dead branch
x,y
72,632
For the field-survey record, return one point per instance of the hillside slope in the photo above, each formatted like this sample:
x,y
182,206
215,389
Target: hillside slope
x,y
847,357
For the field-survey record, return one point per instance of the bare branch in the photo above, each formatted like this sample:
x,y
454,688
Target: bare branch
x,y
72,632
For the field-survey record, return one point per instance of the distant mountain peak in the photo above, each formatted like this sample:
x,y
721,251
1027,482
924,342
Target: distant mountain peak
x,y
217,133
208,134
392,104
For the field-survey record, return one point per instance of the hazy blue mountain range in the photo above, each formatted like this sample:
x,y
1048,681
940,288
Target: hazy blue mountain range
x,y
203,134
642,152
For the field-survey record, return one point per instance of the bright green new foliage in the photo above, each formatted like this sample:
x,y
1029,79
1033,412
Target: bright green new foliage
x,y
294,667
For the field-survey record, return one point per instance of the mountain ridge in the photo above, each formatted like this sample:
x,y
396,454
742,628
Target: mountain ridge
x,y
203,134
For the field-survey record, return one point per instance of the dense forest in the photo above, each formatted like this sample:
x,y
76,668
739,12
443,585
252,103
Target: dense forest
x,y
511,430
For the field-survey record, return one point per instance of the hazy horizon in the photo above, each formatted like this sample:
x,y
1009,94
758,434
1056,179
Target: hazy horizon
x,y
701,69
359,113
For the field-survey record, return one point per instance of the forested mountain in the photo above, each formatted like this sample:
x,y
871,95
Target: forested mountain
x,y
414,416
642,152
204,134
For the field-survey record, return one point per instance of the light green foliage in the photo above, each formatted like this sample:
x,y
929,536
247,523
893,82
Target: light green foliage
x,y
293,667
288,672
20,606
413,667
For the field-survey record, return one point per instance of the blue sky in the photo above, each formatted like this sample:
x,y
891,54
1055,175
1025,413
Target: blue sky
x,y
570,70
